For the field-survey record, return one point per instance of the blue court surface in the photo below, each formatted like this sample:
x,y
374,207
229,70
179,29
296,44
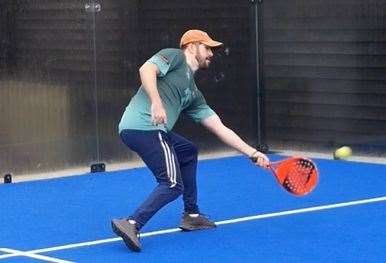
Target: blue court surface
x,y
68,219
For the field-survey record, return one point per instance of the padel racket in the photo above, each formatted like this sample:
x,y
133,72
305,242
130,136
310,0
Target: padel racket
x,y
297,175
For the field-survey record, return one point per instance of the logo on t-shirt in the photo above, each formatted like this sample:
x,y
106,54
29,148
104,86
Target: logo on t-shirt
x,y
164,59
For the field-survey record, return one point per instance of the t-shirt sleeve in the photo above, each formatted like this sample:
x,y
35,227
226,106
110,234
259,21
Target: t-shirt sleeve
x,y
166,60
199,110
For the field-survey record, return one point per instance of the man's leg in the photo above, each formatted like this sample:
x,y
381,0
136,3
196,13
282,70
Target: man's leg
x,y
187,153
157,153
154,149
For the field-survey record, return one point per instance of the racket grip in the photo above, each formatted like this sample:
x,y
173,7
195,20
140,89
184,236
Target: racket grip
x,y
253,159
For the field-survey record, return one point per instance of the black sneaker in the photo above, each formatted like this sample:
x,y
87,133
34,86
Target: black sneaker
x,y
128,232
190,223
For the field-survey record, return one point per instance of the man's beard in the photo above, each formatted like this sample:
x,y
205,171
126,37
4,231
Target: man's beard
x,y
203,63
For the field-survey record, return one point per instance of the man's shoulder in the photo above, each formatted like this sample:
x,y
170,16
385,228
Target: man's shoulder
x,y
170,52
168,57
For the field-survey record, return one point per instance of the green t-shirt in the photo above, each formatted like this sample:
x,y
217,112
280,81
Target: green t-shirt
x,y
177,90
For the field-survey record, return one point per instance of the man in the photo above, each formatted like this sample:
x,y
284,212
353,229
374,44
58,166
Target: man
x,y
168,89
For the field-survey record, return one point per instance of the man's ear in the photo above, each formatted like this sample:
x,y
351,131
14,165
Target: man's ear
x,y
191,47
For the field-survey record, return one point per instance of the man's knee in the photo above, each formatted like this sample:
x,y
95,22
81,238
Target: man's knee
x,y
178,189
190,154
193,150
174,190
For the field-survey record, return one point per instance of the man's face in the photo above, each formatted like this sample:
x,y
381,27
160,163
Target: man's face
x,y
203,55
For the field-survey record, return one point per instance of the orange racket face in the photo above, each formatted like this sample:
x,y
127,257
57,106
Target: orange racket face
x,y
297,175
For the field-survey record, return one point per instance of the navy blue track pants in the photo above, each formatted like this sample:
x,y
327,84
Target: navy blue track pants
x,y
173,161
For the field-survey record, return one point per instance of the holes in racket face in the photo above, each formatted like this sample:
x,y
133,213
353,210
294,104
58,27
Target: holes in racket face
x,y
301,177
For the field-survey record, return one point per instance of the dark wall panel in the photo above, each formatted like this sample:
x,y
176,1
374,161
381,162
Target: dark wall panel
x,y
325,73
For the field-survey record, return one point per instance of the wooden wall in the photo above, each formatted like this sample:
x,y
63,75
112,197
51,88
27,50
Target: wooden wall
x,y
325,72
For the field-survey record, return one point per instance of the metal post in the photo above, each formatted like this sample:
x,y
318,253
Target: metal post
x,y
258,45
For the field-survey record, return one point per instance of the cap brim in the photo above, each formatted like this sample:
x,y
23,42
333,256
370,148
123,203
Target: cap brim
x,y
212,43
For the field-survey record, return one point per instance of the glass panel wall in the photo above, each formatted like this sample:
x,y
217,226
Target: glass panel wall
x,y
69,68
46,86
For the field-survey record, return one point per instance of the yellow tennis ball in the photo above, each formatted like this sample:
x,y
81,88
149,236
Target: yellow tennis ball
x,y
342,152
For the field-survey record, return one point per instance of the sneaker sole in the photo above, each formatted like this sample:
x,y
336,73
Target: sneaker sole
x,y
117,228
193,228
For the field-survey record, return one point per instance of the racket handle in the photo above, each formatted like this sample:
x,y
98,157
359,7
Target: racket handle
x,y
254,158
270,165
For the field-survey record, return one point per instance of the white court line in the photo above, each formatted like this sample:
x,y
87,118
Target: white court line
x,y
224,222
18,253
303,210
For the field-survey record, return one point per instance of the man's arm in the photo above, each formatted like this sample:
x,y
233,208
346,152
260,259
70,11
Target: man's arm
x,y
229,137
148,73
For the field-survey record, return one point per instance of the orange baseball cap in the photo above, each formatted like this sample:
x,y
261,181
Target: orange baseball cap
x,y
195,35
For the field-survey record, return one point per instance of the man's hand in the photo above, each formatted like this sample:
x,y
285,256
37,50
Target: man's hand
x,y
158,113
260,159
